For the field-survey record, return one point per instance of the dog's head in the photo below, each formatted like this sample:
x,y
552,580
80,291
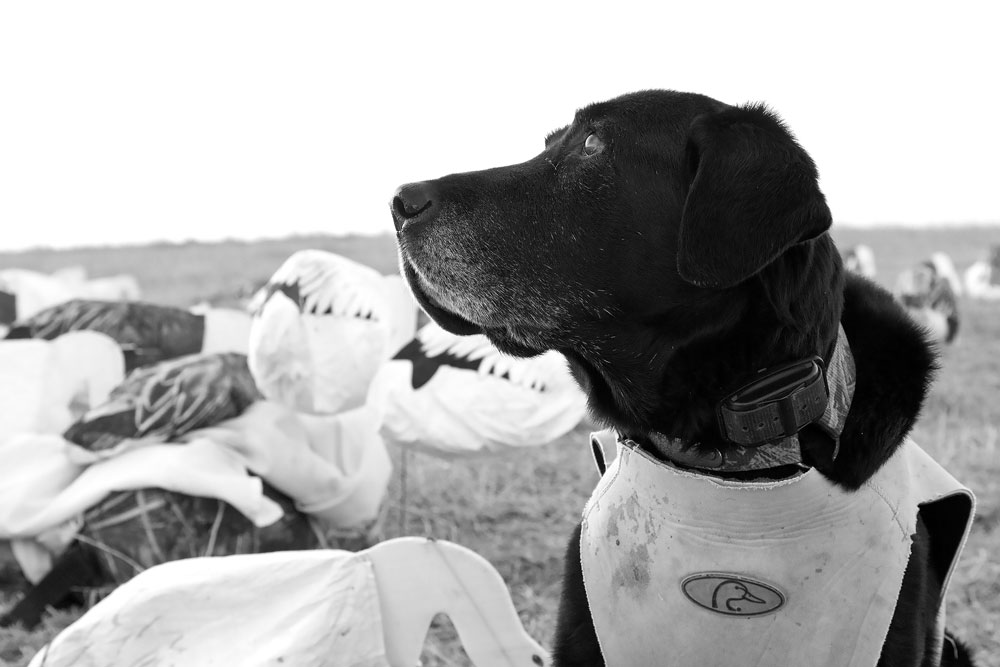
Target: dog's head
x,y
654,222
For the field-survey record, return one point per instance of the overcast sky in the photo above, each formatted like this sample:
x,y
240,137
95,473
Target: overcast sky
x,y
124,122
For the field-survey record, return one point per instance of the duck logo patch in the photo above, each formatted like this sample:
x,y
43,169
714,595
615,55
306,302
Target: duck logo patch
x,y
732,594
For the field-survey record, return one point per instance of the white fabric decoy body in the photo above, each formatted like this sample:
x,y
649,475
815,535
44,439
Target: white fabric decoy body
x,y
323,608
209,406
147,332
927,295
185,459
48,384
860,259
323,327
458,395
28,292
982,279
146,486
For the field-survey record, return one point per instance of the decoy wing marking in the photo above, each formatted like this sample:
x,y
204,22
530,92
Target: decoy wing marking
x,y
535,373
330,283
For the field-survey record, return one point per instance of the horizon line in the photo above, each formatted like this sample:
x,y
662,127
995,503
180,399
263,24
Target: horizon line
x,y
303,235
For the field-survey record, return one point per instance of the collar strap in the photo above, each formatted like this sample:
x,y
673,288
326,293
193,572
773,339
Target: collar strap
x,y
773,408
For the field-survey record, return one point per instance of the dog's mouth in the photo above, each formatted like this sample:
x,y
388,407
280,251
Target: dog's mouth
x,y
510,339
449,321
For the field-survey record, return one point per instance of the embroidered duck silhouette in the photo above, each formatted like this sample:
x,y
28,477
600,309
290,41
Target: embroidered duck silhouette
x,y
732,594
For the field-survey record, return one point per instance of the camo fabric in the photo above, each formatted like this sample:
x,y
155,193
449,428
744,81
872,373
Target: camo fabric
x,y
169,399
148,331
841,378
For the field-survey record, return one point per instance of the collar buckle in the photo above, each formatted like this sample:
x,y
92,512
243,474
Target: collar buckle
x,y
778,403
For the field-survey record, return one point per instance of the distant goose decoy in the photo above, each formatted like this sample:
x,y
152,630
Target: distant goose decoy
x,y
928,297
860,259
945,268
458,395
982,279
322,327
147,332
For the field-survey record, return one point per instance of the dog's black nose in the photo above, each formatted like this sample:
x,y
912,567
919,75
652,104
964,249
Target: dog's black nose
x,y
412,201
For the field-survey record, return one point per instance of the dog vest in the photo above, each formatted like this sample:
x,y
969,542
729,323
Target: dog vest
x,y
684,569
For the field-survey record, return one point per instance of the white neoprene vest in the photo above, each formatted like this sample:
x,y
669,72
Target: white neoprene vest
x,y
684,569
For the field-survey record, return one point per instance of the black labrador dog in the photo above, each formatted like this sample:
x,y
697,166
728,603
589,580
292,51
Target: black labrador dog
x,y
671,246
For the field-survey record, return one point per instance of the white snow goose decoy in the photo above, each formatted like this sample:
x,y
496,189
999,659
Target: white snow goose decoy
x,y
333,469
458,395
928,297
146,332
366,609
46,385
322,328
24,292
860,259
945,268
135,517
982,279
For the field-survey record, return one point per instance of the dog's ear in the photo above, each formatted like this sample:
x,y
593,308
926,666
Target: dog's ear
x,y
753,194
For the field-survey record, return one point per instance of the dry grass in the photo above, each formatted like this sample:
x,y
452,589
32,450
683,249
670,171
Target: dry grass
x,y
517,510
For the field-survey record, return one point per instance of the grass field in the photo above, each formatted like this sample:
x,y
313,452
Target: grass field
x,y
517,512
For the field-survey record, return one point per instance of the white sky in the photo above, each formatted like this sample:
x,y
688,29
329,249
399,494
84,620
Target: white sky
x,y
132,121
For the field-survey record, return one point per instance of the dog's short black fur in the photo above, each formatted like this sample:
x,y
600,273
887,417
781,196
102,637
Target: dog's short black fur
x,y
670,245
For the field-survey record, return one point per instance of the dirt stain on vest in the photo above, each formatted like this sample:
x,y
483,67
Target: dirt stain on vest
x,y
629,518
632,574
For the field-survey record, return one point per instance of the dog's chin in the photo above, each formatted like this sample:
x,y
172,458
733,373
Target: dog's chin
x,y
449,321
452,322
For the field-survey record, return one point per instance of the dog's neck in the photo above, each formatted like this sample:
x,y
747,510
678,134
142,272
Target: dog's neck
x,y
823,400
894,367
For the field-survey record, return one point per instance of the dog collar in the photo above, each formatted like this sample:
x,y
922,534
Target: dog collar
x,y
761,421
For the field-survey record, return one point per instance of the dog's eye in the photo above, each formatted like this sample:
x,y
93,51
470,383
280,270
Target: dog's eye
x,y
593,144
